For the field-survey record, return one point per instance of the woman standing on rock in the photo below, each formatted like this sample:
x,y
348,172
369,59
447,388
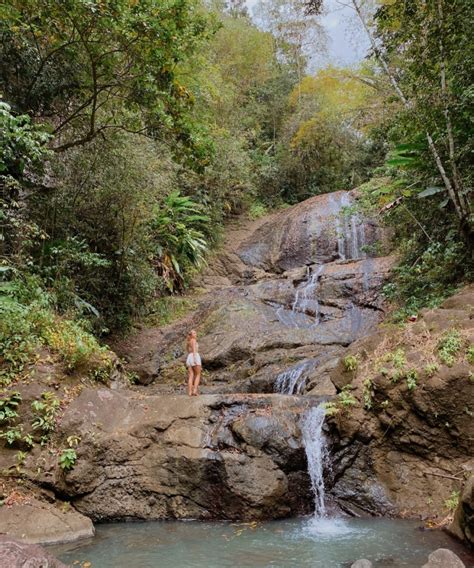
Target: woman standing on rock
x,y
193,363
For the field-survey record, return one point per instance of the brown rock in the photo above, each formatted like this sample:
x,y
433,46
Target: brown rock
x,y
443,558
16,554
462,526
206,457
43,523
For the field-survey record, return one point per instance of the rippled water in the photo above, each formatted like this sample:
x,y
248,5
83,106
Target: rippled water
x,y
296,543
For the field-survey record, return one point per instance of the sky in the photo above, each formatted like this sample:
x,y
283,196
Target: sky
x,y
347,44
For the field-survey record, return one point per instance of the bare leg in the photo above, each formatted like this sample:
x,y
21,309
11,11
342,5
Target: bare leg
x,y
190,381
197,379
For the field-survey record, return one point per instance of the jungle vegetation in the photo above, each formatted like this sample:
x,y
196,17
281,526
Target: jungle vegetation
x,y
131,131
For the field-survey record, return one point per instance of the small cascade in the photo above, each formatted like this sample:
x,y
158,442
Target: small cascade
x,y
350,232
292,381
315,446
306,301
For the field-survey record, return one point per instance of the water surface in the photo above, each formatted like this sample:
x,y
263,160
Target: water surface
x,y
295,543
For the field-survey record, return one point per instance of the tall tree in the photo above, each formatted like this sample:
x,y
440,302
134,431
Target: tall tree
x,y
92,67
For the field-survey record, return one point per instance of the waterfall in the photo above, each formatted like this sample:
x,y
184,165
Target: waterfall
x,y
305,310
315,446
291,381
350,232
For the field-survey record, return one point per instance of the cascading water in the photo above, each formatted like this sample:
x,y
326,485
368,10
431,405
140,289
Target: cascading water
x,y
291,381
350,230
315,446
306,301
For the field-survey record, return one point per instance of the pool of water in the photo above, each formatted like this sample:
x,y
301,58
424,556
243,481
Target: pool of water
x,y
281,544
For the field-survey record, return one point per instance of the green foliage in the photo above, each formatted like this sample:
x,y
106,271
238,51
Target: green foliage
x,y
470,354
433,227
21,458
178,231
350,363
412,379
99,67
67,459
449,347
9,404
331,408
397,358
257,210
22,144
452,502
431,369
68,456
12,435
45,411
346,399
367,394
28,321
427,280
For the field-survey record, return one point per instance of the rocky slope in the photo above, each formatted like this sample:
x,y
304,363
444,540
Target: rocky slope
x,y
287,306
298,288
409,436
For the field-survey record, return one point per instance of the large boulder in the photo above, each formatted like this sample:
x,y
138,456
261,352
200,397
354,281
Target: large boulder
x,y
17,554
38,522
208,457
443,558
462,526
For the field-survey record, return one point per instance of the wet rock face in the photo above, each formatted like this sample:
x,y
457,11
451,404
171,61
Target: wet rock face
x,y
301,287
316,231
208,457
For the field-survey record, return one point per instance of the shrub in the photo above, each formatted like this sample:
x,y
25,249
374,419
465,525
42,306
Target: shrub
x,y
346,399
367,394
470,354
257,210
431,369
45,412
412,378
350,363
449,346
28,321
9,407
67,459
452,502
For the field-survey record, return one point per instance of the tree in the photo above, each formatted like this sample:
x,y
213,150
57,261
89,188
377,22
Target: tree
x,y
92,67
424,50
297,33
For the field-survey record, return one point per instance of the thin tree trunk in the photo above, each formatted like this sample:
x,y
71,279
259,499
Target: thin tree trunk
x,y
463,202
461,213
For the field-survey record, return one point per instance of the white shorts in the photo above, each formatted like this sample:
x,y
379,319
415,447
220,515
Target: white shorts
x,y
193,360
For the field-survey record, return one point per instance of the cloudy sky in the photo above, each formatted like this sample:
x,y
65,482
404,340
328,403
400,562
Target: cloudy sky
x,y
347,45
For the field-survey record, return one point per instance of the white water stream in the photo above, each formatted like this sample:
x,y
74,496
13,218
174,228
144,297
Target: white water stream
x,y
315,446
292,381
350,231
